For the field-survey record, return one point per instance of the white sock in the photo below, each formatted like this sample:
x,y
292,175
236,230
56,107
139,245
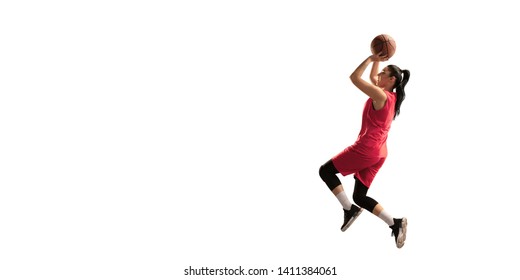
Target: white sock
x,y
343,199
386,217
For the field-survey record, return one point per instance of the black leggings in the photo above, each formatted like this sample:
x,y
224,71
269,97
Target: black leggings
x,y
328,174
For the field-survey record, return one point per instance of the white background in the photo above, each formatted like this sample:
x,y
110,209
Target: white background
x,y
138,138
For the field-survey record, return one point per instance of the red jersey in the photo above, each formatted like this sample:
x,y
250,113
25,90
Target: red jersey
x,y
375,126
366,156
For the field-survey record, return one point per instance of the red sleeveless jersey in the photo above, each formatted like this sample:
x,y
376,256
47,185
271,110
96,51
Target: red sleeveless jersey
x,y
375,126
366,156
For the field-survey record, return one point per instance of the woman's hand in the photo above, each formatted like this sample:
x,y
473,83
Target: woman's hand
x,y
378,57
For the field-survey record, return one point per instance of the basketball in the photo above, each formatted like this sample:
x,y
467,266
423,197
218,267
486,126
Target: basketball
x,y
383,43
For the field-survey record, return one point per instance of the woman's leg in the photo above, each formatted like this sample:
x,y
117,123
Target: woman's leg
x,y
360,198
398,226
328,174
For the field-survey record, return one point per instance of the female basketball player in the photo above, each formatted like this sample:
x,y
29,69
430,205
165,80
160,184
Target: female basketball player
x,y
366,156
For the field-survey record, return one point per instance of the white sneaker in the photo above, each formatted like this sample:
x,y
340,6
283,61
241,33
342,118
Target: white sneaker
x,y
399,231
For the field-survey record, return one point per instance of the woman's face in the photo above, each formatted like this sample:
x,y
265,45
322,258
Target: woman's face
x,y
384,80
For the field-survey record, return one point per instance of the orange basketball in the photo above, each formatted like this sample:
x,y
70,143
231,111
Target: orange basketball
x,y
383,43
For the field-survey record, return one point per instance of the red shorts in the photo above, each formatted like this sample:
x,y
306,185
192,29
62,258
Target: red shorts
x,y
362,166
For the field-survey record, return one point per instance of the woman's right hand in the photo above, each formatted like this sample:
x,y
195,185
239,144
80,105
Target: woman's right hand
x,y
378,57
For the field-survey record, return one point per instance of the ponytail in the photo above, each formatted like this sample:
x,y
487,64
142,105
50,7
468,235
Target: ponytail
x,y
401,79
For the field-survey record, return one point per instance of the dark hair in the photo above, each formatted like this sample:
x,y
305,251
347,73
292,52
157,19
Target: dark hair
x,y
401,79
